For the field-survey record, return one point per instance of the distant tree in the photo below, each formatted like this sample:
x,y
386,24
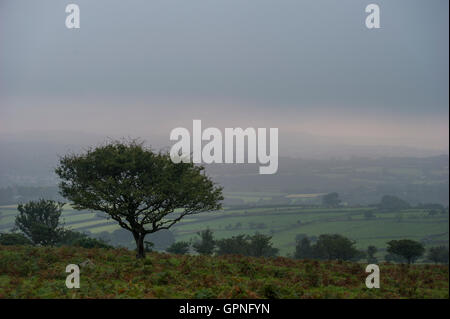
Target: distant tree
x,y
39,221
369,215
331,200
392,203
303,249
261,246
89,242
136,187
69,237
206,244
432,206
409,249
299,237
371,251
335,247
14,239
179,248
236,245
258,245
438,254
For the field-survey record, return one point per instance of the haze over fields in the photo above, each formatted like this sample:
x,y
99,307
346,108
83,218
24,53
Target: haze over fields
x,y
364,113
336,90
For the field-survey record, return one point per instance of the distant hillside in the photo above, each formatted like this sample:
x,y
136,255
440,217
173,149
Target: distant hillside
x,y
27,272
360,174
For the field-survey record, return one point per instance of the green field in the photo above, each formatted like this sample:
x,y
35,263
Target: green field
x,y
284,223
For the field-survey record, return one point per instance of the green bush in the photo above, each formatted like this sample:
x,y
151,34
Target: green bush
x,y
14,239
179,248
91,243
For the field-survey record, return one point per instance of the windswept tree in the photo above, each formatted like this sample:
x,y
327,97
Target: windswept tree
x,y
142,190
39,221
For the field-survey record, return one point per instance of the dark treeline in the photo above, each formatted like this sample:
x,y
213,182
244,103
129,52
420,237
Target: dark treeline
x,y
38,223
323,247
257,245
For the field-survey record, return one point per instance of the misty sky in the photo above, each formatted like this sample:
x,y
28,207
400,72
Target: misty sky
x,y
141,68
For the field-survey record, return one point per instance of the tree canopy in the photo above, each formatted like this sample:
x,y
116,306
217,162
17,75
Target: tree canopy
x,y
206,244
392,203
331,200
438,254
258,245
39,221
408,249
144,191
327,247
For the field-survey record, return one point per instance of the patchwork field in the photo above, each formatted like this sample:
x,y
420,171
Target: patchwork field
x,y
283,222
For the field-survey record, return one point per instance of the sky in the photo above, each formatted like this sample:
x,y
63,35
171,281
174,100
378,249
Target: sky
x,y
142,68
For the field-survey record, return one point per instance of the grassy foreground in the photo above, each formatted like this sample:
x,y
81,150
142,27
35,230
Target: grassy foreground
x,y
31,272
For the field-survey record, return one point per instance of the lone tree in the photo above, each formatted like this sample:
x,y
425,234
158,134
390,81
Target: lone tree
x,y
335,247
392,203
261,246
136,187
371,251
409,249
303,249
39,221
438,254
331,200
206,244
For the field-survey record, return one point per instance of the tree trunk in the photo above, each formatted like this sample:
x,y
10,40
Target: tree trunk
x,y
139,238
